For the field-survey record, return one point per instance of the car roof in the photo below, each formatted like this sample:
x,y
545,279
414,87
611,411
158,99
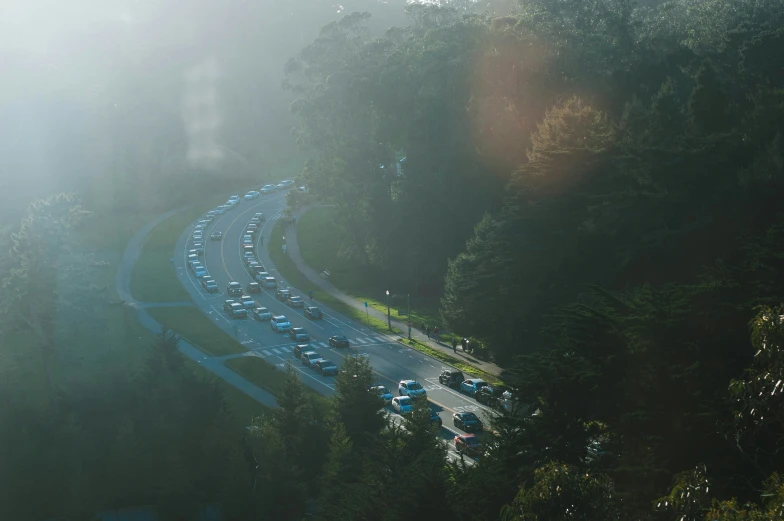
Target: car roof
x,y
407,381
466,436
308,353
234,283
262,308
280,316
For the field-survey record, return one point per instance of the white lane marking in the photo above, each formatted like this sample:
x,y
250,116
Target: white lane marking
x,y
286,349
322,344
220,314
275,351
361,341
265,353
382,339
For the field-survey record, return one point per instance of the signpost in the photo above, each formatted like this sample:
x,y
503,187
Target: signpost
x,y
366,314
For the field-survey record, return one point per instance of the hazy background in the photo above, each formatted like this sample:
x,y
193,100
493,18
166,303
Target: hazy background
x,y
122,99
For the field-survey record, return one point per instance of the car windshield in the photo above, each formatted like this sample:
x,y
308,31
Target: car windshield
x,y
327,364
469,416
480,383
413,386
405,401
382,390
340,337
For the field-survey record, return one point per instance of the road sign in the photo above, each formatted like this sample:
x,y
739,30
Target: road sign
x,y
366,304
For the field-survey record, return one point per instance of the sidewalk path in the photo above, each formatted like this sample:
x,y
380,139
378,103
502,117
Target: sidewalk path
x,y
213,364
293,251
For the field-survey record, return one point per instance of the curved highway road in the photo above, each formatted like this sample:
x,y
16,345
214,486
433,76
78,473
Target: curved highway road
x,y
391,360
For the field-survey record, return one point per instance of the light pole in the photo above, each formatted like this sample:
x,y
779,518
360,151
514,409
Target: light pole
x,y
408,301
389,317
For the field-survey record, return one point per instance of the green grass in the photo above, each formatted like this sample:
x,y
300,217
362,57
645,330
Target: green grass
x,y
455,362
265,375
153,278
319,240
296,278
197,329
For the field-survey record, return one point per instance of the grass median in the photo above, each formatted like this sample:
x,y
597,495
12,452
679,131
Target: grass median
x,y
191,324
454,361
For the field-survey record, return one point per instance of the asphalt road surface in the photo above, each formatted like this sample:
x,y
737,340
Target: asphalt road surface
x,y
391,360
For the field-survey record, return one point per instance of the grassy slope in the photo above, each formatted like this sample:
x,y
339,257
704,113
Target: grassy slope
x,y
318,245
197,329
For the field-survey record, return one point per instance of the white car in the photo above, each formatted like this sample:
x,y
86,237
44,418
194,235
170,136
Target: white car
x,y
288,183
247,239
200,272
402,405
411,388
253,194
262,314
280,324
234,199
220,210
193,257
270,282
247,302
267,189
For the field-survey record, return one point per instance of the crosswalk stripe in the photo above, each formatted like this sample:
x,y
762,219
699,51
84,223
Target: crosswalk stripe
x,y
265,353
275,351
381,339
286,349
361,341
322,344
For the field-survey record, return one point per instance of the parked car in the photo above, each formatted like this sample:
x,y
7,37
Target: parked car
x,y
338,341
282,294
411,388
467,421
253,194
296,302
435,419
280,324
253,287
261,314
313,312
216,236
234,289
468,444
472,385
490,395
383,393
298,334
247,302
451,377
310,358
402,405
234,199
209,285
327,368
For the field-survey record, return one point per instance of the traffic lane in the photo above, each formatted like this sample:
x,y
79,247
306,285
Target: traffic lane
x,y
444,434
393,364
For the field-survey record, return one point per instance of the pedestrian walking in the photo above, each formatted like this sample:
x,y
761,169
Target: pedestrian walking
x,y
427,332
454,345
422,327
465,343
435,334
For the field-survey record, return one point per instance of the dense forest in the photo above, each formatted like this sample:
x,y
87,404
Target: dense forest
x,y
591,187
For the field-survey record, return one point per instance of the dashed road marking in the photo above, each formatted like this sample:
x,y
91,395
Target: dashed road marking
x,y
275,351
361,341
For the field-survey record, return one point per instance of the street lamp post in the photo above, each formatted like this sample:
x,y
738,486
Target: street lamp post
x,y
389,317
408,301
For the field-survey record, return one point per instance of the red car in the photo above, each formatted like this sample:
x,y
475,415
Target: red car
x,y
468,444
